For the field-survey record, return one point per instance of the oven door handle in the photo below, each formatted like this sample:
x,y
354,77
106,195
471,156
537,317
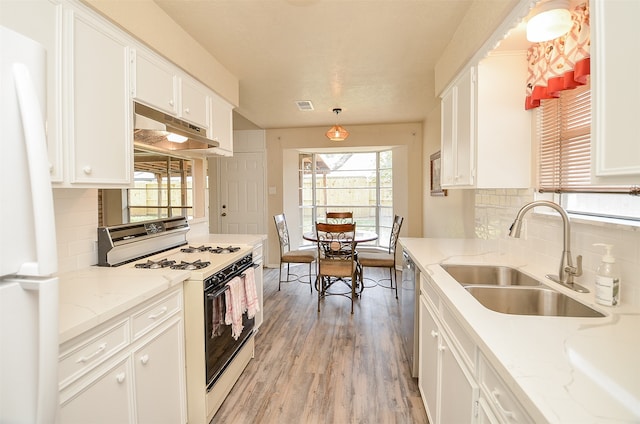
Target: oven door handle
x,y
218,292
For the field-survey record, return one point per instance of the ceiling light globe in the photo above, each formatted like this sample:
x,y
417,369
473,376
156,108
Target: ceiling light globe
x,y
549,25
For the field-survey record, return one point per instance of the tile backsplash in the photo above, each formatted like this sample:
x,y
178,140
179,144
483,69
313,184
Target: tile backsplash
x,y
76,227
541,239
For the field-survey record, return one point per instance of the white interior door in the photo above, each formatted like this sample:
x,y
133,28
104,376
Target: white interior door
x,y
242,202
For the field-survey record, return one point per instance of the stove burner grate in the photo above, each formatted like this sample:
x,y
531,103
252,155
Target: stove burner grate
x,y
228,249
155,264
191,265
192,249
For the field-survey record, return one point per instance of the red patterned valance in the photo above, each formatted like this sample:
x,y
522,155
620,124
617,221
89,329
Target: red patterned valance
x,y
560,64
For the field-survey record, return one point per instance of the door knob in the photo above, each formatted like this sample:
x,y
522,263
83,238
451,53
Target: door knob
x,y
223,214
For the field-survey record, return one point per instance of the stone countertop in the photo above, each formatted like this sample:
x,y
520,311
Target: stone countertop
x,y
226,239
563,370
96,294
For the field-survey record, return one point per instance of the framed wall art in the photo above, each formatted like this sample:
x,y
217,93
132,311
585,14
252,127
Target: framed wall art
x,y
436,188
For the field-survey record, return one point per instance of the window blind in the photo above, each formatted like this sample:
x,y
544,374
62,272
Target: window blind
x,y
564,134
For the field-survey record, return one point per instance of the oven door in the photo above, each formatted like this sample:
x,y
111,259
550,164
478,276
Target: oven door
x,y
220,346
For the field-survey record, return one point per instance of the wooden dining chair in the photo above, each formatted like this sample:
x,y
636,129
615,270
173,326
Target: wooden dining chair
x,y
336,264
295,256
385,259
339,217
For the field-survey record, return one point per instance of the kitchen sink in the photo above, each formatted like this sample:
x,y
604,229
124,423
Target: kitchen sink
x,y
489,275
538,301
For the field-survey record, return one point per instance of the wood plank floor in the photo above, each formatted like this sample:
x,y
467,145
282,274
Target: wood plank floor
x,y
327,367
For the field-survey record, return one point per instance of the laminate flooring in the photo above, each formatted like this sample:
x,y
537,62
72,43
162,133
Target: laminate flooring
x,y
326,367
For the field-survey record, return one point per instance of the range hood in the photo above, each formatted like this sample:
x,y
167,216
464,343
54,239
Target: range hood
x,y
152,128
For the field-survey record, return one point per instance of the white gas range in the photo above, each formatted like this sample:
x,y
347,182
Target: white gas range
x,y
214,355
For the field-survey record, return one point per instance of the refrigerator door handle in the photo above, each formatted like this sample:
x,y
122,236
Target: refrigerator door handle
x,y
42,199
47,292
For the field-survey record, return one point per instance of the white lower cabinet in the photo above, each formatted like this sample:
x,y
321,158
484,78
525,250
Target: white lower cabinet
x,y
101,397
446,385
159,378
456,382
113,374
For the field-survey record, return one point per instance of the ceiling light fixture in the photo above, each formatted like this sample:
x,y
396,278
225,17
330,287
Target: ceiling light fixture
x,y
550,20
337,133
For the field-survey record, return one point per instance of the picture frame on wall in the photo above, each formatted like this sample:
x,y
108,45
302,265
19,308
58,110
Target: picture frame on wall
x,y
436,168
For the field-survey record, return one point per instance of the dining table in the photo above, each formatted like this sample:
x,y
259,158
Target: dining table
x,y
359,236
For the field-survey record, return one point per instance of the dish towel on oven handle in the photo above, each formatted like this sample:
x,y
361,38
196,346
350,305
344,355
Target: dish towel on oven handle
x,y
253,306
236,305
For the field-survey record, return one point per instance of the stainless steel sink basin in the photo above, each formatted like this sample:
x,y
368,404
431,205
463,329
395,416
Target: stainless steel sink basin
x,y
489,275
538,301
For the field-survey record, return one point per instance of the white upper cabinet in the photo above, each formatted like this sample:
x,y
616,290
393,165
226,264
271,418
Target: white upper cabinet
x,y
97,103
156,83
163,86
458,131
41,20
194,102
503,152
222,126
615,66
486,133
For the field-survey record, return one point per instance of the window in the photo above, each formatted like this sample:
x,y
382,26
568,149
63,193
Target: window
x,y
163,187
358,182
564,134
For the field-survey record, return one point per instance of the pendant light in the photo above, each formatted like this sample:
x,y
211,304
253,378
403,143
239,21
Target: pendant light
x,y
337,133
551,20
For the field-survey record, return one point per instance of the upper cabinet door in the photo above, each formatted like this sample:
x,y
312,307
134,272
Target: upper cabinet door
x,y
615,89
98,105
41,20
155,82
458,131
195,103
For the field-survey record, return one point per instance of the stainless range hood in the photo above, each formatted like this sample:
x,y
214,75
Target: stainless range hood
x,y
152,128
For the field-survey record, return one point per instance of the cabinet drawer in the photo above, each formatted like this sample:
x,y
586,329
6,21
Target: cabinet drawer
x,y
505,405
156,313
429,292
461,339
91,351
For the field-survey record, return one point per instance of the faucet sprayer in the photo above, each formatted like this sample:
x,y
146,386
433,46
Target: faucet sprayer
x,y
567,271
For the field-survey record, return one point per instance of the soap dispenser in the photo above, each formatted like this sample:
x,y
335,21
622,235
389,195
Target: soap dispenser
x,y
607,279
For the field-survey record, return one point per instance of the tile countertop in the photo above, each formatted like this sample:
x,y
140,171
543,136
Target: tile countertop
x,y
563,370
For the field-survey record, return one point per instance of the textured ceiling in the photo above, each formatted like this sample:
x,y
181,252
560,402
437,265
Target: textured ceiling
x,y
375,59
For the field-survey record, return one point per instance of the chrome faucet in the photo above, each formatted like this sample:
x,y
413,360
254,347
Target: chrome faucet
x,y
567,271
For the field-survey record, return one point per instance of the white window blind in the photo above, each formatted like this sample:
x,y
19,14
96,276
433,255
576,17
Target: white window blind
x,y
564,134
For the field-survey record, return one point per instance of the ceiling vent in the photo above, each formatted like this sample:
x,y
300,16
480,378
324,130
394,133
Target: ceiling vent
x,y
304,105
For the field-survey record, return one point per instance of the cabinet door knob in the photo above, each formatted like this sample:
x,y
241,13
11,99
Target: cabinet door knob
x,y
442,348
144,359
434,333
186,110
87,170
120,378
170,102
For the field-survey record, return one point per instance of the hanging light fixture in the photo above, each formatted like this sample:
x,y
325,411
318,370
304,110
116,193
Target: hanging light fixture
x,y
337,133
551,19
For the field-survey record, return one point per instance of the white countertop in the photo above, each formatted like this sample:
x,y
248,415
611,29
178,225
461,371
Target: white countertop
x,y
563,370
92,296
96,294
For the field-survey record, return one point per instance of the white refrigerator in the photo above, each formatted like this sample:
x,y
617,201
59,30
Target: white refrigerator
x,y
28,259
